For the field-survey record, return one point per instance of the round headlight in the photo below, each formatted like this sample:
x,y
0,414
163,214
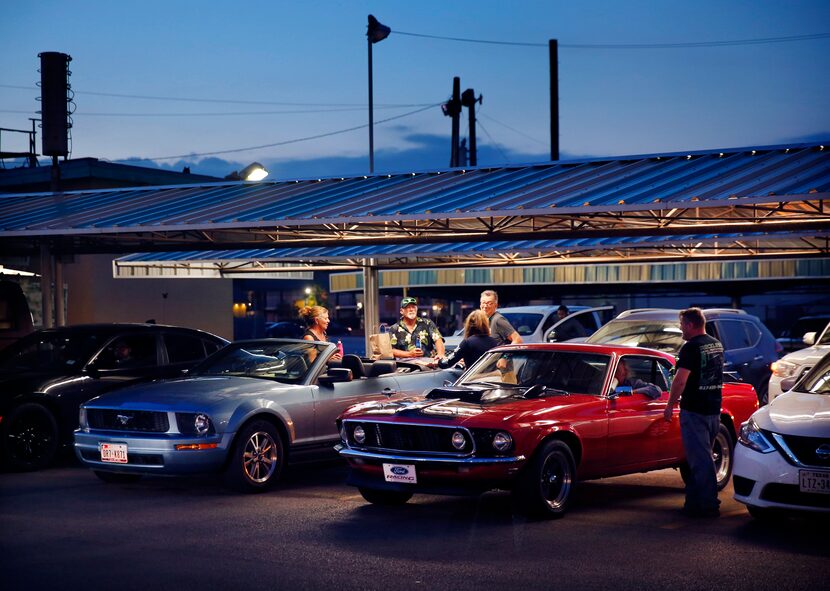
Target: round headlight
x,y
502,441
201,423
458,440
359,434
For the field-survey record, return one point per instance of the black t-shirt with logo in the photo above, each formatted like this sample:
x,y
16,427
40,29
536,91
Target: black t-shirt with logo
x,y
703,357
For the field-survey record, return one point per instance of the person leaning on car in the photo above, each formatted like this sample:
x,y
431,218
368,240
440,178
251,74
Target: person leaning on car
x,y
500,327
698,384
477,341
412,336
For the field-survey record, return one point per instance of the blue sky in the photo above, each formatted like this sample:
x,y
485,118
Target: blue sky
x,y
272,57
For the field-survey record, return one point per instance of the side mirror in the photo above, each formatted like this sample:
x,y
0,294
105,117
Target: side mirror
x,y
621,391
788,383
809,338
334,375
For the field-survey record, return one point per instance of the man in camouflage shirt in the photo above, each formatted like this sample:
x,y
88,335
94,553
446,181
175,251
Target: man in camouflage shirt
x,y
412,336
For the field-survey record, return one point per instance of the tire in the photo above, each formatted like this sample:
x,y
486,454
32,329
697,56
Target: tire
x,y
30,438
257,458
117,477
544,488
385,497
722,455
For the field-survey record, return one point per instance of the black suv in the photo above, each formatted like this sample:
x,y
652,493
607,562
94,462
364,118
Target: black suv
x,y
46,375
749,347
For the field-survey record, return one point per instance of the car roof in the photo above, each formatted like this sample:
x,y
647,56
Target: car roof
x,y
538,309
116,327
671,314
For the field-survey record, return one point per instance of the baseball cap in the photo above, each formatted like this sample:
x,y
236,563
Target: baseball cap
x,y
407,301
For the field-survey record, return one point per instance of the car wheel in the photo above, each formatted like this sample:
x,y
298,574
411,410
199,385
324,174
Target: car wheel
x,y
117,477
256,458
722,453
385,497
30,437
544,487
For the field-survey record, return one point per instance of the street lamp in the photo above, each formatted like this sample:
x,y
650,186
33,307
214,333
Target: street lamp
x,y
253,172
375,32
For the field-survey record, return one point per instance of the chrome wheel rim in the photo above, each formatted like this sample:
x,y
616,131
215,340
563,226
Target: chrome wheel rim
x,y
31,437
721,457
259,458
555,480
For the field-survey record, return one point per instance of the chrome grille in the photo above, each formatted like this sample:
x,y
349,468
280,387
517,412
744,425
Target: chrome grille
x,y
407,437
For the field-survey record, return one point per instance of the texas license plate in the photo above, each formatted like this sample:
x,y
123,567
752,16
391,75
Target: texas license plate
x,y
403,473
812,481
114,453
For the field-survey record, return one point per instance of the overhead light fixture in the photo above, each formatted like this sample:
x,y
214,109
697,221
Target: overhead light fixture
x,y
253,172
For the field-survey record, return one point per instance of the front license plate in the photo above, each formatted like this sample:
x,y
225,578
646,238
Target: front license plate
x,y
404,473
811,481
114,453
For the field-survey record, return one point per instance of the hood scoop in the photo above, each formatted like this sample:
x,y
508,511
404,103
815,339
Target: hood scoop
x,y
473,395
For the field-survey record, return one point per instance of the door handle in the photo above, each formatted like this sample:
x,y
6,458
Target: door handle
x,y
388,392
758,358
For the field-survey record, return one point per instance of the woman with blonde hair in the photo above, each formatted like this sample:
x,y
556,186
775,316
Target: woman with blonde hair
x,y
317,321
477,341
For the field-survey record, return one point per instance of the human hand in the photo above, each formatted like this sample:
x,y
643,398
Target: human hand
x,y
337,356
416,353
667,413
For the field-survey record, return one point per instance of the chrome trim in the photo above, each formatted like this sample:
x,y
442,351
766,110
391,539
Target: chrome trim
x,y
377,424
789,453
355,453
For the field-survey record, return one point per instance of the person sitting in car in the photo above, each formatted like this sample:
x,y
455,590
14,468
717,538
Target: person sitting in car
x,y
623,378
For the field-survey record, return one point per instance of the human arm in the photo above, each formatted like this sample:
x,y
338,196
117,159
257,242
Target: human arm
x,y
515,338
453,358
677,387
646,388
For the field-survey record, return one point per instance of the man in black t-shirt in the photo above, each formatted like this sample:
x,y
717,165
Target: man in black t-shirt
x,y
698,384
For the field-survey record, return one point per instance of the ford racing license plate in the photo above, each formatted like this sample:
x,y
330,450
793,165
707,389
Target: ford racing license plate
x,y
811,481
403,473
114,453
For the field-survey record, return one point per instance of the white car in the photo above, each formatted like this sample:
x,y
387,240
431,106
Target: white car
x,y
540,324
782,460
790,368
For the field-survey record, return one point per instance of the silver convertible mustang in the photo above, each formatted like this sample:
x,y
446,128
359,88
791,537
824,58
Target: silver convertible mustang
x,y
243,412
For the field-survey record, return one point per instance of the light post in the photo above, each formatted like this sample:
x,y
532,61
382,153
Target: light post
x,y
374,33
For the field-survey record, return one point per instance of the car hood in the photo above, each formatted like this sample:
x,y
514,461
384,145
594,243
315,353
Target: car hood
x,y
796,413
198,393
808,356
459,405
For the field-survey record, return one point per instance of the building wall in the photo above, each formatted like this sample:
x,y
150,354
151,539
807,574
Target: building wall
x,y
94,295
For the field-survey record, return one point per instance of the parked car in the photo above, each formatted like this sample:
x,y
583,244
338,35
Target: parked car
x,y
540,324
15,316
532,419
45,376
792,339
243,413
782,464
791,368
748,346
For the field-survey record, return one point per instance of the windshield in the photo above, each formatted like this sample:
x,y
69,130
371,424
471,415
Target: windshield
x,y
524,323
663,335
818,380
570,371
51,351
287,362
825,338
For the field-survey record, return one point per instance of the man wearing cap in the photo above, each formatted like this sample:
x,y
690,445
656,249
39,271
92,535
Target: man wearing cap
x,y
412,336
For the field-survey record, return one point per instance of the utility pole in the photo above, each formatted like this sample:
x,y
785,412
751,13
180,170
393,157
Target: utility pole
x,y
452,108
469,100
553,50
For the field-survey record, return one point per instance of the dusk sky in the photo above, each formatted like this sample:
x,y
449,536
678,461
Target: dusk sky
x,y
224,77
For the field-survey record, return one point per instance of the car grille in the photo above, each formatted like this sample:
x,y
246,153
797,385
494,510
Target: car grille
x,y
789,494
135,459
127,420
806,449
399,437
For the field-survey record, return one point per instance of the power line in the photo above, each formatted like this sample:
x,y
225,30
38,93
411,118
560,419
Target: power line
x,y
203,114
498,147
292,141
759,41
513,129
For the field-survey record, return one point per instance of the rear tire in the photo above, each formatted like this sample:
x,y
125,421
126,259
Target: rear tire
x,y
256,459
385,497
117,477
30,437
543,490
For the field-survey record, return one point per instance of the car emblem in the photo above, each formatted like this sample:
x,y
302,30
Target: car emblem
x,y
399,470
823,451
124,419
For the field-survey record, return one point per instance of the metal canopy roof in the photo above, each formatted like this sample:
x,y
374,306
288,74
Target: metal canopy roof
x,y
747,202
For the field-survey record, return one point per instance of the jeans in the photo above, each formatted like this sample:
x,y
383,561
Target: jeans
x,y
698,433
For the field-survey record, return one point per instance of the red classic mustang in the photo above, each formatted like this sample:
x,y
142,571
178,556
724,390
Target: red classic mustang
x,y
533,419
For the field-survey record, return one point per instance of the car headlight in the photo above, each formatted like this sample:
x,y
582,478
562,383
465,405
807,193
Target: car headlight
x,y
458,440
784,369
359,435
752,437
502,441
194,423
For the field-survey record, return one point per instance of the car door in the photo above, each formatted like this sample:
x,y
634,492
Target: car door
x,y
331,400
638,436
582,323
107,371
182,351
739,339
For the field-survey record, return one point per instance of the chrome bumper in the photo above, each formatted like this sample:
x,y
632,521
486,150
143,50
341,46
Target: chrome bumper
x,y
348,452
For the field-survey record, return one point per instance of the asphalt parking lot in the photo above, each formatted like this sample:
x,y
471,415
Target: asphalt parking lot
x,y
64,529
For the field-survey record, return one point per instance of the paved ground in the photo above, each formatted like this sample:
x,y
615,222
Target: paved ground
x,y
64,529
